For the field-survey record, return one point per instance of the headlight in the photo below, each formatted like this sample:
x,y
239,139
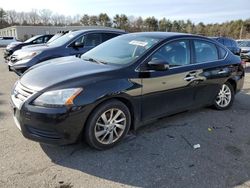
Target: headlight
x,y
26,55
58,98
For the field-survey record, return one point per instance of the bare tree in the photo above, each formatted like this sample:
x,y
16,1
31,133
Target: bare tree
x,y
45,15
12,17
34,17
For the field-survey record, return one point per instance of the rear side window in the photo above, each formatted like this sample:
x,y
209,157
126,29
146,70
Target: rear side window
x,y
107,36
222,52
205,51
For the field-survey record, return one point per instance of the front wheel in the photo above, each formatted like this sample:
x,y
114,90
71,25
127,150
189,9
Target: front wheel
x,y
225,97
107,125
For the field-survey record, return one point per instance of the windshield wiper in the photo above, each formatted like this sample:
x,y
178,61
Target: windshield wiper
x,y
94,60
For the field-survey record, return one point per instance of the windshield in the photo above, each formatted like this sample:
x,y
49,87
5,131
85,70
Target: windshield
x,y
62,40
56,36
121,50
31,39
244,43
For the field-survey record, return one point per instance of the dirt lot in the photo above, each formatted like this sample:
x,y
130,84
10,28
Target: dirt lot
x,y
159,155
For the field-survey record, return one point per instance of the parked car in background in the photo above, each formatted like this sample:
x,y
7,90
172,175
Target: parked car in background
x,y
230,43
245,49
121,84
74,43
12,47
4,41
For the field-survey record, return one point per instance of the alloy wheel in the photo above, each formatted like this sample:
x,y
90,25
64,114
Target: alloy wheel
x,y
110,126
224,97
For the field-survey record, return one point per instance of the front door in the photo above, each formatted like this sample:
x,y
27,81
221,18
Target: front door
x,y
170,91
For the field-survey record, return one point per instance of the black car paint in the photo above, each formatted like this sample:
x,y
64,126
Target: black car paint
x,y
50,52
148,94
9,51
231,44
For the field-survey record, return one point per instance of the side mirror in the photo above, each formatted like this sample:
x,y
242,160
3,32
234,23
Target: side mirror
x,y
78,44
158,65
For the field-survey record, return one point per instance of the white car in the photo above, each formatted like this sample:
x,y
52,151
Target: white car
x,y
4,41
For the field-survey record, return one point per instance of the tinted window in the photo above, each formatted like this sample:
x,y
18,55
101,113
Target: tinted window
x,y
107,36
93,39
205,51
79,39
174,53
38,41
46,39
7,38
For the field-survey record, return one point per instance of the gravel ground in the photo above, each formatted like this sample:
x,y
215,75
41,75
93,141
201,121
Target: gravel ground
x,y
160,154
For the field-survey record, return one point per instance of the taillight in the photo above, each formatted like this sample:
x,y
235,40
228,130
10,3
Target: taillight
x,y
243,63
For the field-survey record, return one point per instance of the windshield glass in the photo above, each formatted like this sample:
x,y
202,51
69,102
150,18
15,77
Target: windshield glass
x,y
244,43
62,40
56,36
31,39
121,50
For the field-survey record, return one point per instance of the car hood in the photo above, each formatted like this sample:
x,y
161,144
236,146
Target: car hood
x,y
13,44
35,45
58,70
35,48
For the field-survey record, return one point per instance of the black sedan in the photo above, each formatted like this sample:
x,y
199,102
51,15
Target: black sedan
x,y
121,84
12,47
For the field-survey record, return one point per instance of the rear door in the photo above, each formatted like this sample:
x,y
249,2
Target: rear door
x,y
209,59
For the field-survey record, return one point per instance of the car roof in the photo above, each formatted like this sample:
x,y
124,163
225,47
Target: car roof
x,y
99,30
227,38
166,35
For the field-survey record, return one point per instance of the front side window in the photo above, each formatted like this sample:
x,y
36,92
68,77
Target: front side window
x,y
38,41
175,53
93,39
79,39
205,51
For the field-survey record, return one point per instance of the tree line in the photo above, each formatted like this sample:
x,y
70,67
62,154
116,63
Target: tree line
x,y
235,29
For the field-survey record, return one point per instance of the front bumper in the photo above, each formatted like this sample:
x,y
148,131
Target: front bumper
x,y
20,66
59,126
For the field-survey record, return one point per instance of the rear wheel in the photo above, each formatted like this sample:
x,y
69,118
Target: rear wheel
x,y
225,97
107,125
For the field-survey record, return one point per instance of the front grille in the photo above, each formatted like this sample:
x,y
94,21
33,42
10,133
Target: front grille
x,y
22,93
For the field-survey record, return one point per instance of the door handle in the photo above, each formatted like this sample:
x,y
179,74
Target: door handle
x,y
222,72
189,78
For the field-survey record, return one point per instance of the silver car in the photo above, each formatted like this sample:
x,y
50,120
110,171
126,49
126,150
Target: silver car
x,y
244,44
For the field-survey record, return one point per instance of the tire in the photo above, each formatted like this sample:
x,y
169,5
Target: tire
x,y
224,100
101,131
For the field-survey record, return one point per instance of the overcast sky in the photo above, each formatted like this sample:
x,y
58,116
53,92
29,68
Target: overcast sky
x,y
208,11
